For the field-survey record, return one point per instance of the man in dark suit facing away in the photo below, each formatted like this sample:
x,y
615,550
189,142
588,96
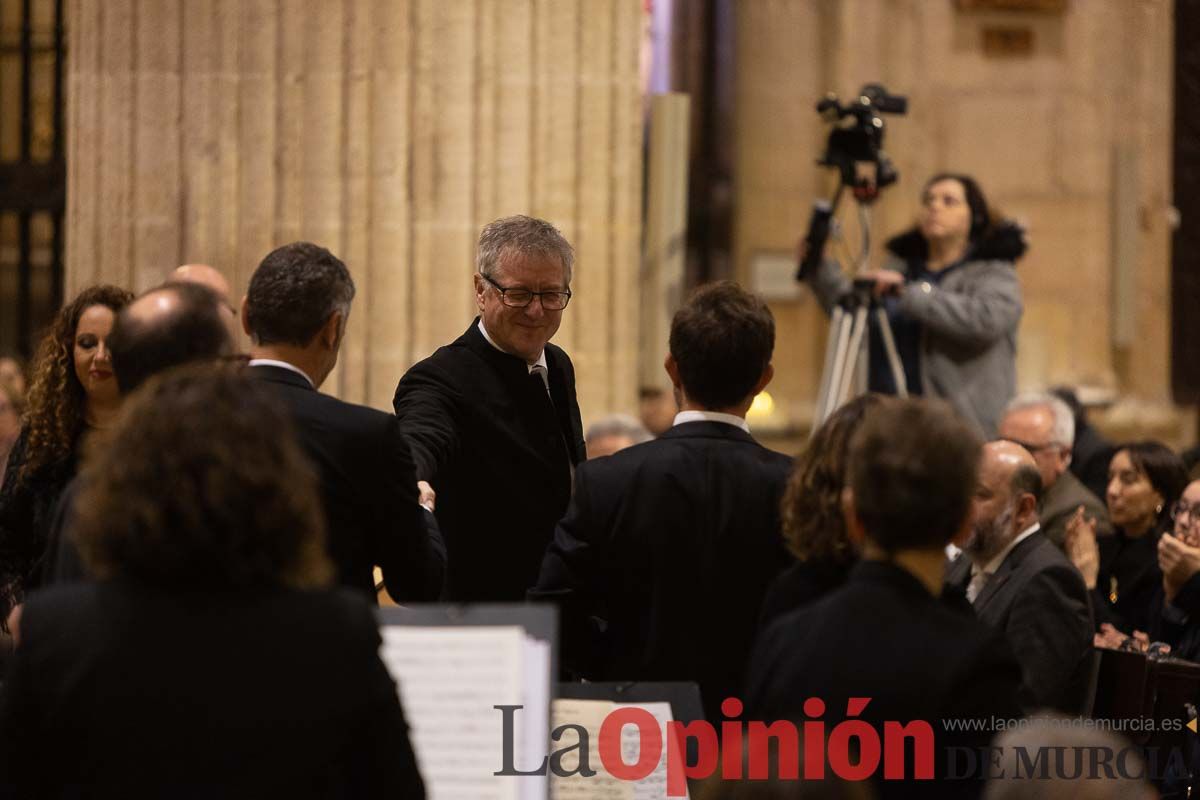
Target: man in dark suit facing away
x,y
670,544
492,417
1022,585
885,637
295,313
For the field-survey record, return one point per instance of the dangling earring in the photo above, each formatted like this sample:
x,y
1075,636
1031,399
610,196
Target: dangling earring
x,y
1158,509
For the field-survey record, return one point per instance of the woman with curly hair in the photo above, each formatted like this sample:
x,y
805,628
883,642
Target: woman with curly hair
x,y
210,658
73,391
813,527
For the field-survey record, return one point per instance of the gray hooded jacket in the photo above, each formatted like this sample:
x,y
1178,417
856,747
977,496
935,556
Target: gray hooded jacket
x,y
969,322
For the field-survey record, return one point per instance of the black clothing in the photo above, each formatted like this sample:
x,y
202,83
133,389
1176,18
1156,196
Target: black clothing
x,y
498,452
803,583
26,509
1038,600
1129,571
671,543
368,490
119,690
884,637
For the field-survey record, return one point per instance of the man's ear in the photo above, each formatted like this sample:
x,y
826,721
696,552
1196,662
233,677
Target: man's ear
x,y
330,335
854,527
1027,505
767,375
672,369
245,315
480,287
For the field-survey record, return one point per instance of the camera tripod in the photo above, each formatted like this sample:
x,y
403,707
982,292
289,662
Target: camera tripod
x,y
847,342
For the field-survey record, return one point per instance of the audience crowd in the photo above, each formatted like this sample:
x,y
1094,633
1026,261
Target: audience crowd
x,y
190,532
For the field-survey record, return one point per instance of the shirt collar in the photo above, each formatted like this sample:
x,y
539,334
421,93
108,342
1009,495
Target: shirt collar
x,y
270,362
711,416
993,565
541,359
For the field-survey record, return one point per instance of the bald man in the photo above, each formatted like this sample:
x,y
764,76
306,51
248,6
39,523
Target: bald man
x,y
205,275
1022,585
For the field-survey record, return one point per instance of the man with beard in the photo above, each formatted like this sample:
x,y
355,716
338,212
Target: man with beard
x,y
1022,585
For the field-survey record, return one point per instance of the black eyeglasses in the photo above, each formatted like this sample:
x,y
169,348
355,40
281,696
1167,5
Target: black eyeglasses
x,y
1181,508
1034,448
519,298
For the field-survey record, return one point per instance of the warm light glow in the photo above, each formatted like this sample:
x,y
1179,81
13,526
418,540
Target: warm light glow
x,y
762,407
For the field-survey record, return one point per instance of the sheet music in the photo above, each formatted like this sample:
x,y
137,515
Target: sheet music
x,y
450,678
654,785
601,786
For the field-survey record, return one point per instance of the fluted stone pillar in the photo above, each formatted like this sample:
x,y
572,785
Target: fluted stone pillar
x,y
389,131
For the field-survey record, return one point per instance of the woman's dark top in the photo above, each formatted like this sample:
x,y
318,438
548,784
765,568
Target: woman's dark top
x,y
123,690
1129,570
799,585
26,509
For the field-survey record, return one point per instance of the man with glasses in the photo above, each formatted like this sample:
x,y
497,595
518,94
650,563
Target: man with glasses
x,y
1045,426
492,417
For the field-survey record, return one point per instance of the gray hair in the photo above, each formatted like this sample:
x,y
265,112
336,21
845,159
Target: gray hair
x,y
618,425
1033,741
1063,428
525,236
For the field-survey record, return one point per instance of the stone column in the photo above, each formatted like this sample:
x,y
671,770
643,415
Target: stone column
x,y
389,131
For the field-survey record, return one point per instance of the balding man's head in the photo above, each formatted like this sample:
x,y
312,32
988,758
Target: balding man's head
x,y
204,275
1006,498
174,324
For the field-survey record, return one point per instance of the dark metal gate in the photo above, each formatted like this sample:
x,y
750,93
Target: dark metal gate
x,y
32,168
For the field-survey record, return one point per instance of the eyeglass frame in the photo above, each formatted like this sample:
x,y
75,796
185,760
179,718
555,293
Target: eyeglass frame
x,y
1037,448
504,290
1192,510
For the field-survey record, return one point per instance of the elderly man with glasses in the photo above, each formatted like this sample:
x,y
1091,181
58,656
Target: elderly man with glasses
x,y
1044,425
492,417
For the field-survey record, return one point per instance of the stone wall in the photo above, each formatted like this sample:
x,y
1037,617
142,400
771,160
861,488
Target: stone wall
x,y
389,131
1040,130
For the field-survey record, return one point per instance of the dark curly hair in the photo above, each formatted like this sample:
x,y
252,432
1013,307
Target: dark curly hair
x,y
201,484
294,291
54,408
813,527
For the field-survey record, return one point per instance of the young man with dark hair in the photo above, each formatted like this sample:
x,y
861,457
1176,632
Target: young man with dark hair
x,y
885,636
295,313
672,542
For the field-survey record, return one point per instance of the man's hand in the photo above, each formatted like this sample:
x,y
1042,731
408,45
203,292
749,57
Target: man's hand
x,y
1080,546
1178,562
426,496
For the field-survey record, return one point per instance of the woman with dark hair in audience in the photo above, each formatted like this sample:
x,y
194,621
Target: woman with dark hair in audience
x,y
813,527
1145,479
73,391
953,300
209,659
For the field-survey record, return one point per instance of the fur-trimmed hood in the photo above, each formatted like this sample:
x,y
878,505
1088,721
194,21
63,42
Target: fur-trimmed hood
x,y
1004,241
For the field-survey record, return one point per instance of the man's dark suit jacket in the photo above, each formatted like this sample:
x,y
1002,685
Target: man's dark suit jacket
x,y
1038,600
498,454
671,543
883,636
121,690
368,488
1060,502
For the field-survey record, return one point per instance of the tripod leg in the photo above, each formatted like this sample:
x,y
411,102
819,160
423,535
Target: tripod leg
x,y
893,355
859,331
839,331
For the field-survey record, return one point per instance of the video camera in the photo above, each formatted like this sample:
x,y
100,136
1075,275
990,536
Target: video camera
x,y
855,149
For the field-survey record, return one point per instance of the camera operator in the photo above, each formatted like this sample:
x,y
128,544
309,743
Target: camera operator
x,y
951,294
